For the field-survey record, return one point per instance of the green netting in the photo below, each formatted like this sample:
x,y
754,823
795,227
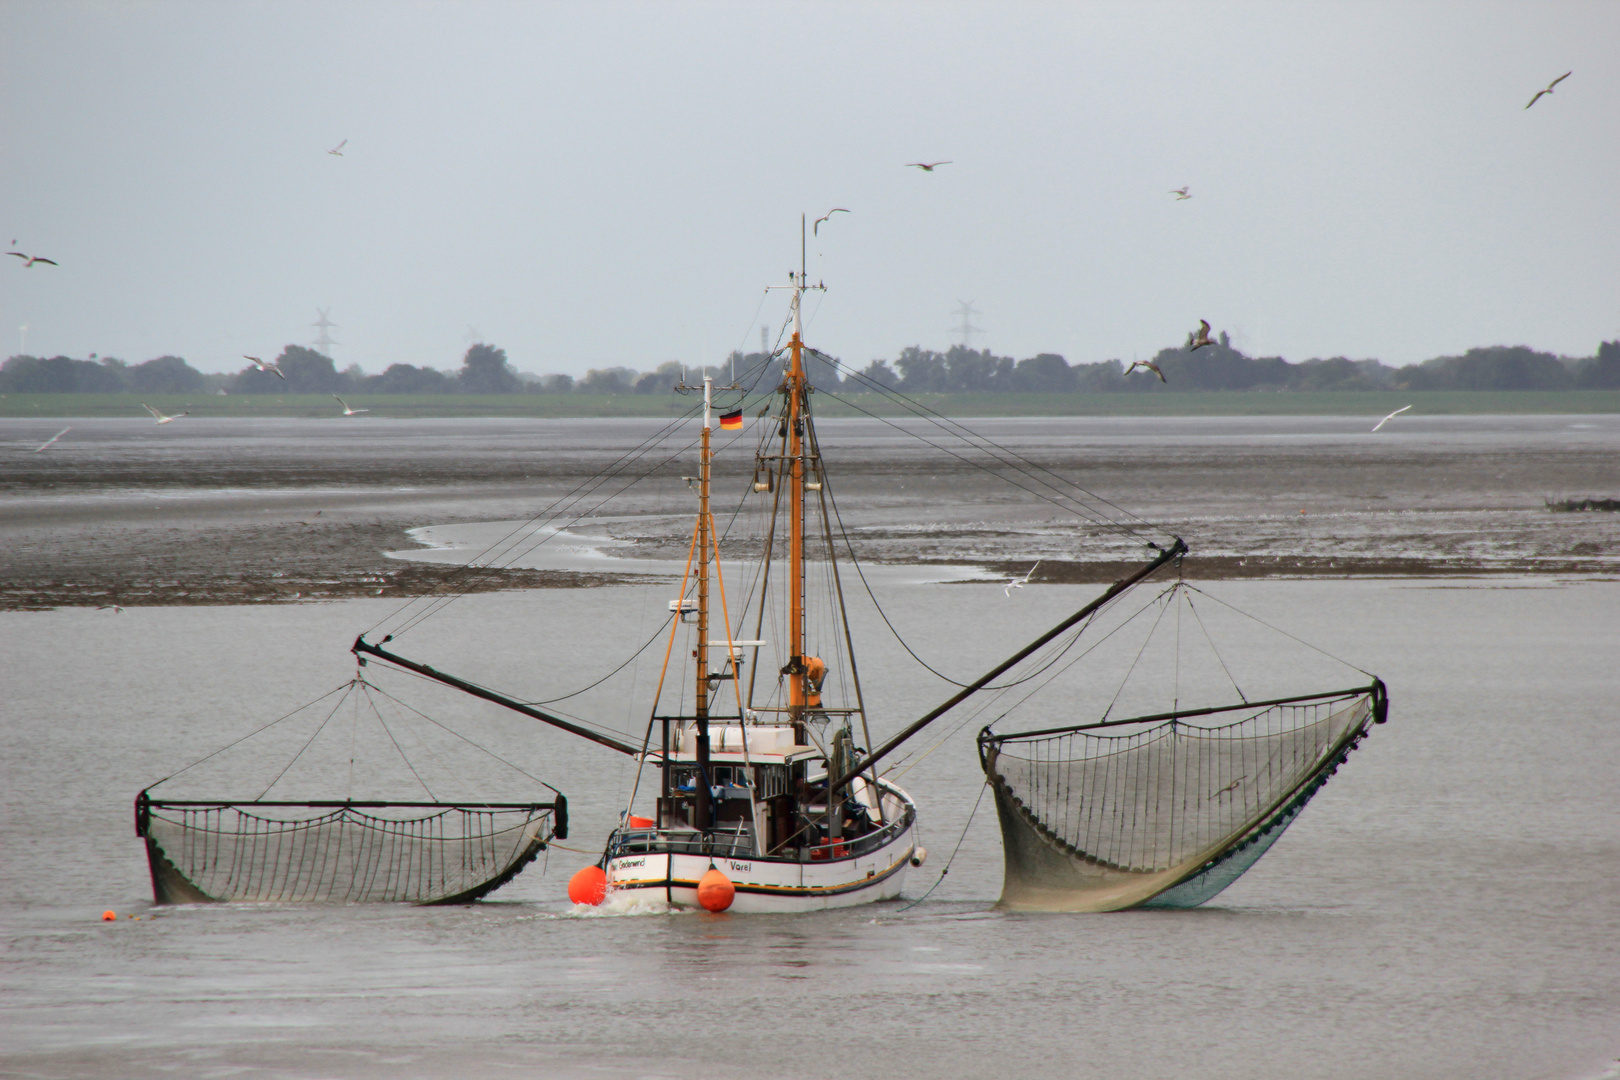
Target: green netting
x,y
335,853
1163,811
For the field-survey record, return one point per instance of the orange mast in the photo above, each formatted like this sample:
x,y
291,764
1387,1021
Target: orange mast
x,y
794,387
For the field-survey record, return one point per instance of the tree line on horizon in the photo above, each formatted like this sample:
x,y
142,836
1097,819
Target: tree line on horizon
x,y
485,369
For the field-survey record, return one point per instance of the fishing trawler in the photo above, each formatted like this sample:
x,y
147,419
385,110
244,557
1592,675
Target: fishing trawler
x,y
759,802
767,798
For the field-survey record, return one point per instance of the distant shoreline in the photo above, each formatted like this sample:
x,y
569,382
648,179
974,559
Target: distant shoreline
x,y
559,406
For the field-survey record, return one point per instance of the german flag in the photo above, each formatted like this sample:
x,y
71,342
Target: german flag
x,y
731,421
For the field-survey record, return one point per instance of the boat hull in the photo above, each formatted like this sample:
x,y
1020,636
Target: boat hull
x,y
766,885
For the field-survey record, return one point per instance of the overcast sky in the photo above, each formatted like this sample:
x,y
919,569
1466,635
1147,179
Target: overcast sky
x,y
599,184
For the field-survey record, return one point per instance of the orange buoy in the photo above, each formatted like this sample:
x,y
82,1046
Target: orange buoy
x,y
109,916
715,890
588,886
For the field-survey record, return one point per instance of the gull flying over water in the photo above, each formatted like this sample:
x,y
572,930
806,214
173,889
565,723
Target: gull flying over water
x,y
1201,338
50,440
1390,417
1149,365
1555,82
346,410
1180,193
338,149
159,417
264,365
1019,583
30,260
816,229
926,166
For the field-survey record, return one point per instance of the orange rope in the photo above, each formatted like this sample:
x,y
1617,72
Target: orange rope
x,y
676,624
731,655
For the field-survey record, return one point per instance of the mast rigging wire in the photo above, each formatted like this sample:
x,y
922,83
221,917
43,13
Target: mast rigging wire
x,y
967,435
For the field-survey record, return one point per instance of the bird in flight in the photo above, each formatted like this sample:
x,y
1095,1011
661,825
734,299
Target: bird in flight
x,y
30,260
114,608
1019,583
346,410
1390,417
816,229
1149,365
338,149
51,440
264,365
928,166
1233,786
1201,338
1180,193
159,417
1550,86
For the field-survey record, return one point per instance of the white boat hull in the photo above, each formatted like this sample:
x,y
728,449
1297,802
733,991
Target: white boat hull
x,y
767,885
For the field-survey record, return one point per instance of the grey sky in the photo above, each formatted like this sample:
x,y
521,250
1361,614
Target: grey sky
x,y
599,184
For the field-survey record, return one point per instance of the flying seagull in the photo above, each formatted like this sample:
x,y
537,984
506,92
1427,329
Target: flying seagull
x,y
346,410
928,166
1150,366
50,440
1019,583
264,365
1550,86
1199,340
816,230
30,260
338,149
1390,417
114,608
1180,193
159,417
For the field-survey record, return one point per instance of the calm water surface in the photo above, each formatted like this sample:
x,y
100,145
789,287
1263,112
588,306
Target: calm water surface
x,y
1447,906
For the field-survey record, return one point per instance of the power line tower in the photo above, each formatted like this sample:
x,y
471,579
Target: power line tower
x,y
323,341
965,329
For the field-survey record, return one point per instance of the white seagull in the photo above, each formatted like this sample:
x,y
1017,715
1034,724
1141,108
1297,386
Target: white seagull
x,y
1150,366
1180,193
816,230
30,260
338,149
264,365
159,417
1550,86
1199,340
1390,417
346,410
50,440
1019,583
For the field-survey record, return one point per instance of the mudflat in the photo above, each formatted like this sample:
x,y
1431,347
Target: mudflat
x,y
263,510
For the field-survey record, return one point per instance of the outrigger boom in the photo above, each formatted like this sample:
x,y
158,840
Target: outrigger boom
x,y
361,645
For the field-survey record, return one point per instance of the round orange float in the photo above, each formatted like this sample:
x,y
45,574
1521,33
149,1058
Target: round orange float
x,y
715,890
588,886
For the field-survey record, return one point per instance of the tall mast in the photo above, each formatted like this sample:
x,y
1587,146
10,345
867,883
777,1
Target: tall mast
x,y
798,685
701,653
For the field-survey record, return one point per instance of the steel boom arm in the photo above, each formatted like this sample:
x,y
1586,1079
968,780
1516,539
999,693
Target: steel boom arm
x,y
361,645
1176,549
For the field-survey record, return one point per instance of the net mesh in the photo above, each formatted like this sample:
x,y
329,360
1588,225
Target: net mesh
x,y
1100,820
302,853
